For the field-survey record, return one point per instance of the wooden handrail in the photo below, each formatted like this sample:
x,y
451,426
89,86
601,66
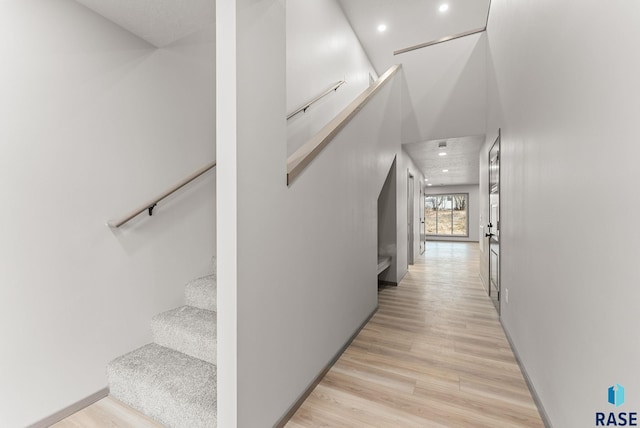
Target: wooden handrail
x,y
149,206
441,40
302,157
304,108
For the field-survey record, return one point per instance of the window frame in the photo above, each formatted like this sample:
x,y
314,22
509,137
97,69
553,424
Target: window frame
x,y
437,235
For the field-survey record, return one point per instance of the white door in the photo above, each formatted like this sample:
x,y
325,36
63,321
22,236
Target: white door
x,y
494,223
409,218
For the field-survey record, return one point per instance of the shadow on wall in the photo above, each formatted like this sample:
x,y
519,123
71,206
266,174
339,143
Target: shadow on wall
x,y
444,91
387,224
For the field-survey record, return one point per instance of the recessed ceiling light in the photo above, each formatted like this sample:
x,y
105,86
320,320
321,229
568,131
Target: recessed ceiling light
x,y
445,170
429,184
382,28
443,7
426,179
442,154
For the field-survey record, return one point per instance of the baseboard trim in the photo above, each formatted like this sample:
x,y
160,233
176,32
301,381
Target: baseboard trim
x,y
70,410
294,408
532,390
384,282
484,284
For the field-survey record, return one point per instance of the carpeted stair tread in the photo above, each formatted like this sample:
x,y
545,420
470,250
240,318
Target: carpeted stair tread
x,y
201,293
187,329
176,390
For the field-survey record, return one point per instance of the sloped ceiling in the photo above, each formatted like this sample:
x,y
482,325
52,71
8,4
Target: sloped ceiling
x,y
445,85
409,23
159,22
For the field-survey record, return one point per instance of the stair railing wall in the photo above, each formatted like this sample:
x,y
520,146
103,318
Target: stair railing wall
x,y
302,157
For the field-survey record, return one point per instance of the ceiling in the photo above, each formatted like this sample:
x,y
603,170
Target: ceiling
x,y
446,83
159,22
461,160
409,22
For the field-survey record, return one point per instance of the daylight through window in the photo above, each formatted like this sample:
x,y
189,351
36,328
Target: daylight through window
x,y
446,215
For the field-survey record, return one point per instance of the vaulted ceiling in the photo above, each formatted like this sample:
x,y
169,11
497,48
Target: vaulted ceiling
x,y
409,23
445,85
444,94
159,22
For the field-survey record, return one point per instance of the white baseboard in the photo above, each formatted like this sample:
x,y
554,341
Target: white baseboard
x,y
534,394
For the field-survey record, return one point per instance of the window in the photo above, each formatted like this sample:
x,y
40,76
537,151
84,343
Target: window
x,y
446,215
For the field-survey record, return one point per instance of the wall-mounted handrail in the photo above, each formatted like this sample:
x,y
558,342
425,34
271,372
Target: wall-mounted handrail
x,y
149,206
302,157
441,40
304,108
448,38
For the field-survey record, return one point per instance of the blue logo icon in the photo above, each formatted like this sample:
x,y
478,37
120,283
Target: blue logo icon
x,y
616,395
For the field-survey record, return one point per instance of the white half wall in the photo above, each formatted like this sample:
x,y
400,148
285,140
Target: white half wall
x,y
564,90
322,49
473,211
94,123
299,261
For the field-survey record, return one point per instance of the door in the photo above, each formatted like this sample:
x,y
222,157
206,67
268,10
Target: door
x,y
410,199
494,224
421,213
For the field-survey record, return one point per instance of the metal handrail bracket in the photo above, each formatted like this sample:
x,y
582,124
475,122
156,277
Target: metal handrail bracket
x,y
304,108
149,206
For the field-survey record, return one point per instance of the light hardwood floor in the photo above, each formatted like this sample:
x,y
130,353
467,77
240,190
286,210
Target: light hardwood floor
x,y
434,355
107,413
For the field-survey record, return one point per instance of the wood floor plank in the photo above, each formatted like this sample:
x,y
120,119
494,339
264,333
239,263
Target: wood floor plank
x,y
107,412
434,355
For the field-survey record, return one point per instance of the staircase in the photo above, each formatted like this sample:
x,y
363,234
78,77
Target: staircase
x,y
173,379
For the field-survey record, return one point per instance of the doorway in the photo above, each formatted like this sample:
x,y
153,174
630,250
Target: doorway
x,y
410,214
421,214
494,223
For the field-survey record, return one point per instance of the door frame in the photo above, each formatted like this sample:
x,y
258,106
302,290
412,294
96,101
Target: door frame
x,y
410,217
423,220
497,227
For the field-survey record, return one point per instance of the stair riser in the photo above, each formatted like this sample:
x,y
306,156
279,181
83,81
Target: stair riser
x,y
187,329
172,388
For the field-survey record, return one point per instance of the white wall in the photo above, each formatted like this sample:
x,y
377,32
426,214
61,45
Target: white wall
x,y
94,122
405,166
483,206
563,88
322,49
473,210
301,290
445,93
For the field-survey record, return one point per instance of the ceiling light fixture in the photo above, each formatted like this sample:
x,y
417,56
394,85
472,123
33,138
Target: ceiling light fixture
x,y
382,28
445,170
443,7
429,184
442,154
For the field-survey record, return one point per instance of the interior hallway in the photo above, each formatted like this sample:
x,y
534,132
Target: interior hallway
x,y
434,355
